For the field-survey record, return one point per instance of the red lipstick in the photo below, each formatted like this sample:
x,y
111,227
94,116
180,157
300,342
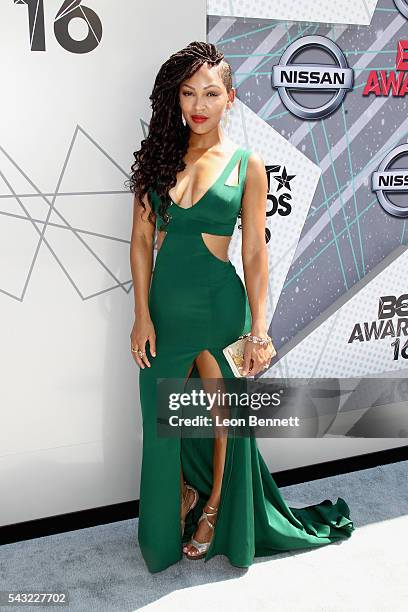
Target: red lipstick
x,y
199,118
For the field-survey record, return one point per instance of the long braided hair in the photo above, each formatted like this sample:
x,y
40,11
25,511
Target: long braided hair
x,y
160,157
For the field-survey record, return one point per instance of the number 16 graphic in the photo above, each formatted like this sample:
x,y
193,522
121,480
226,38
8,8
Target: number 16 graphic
x,y
69,10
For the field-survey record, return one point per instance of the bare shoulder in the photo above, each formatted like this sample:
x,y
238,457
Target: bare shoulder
x,y
255,163
256,174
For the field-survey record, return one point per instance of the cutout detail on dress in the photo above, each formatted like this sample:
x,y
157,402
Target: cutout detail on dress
x,y
233,179
216,245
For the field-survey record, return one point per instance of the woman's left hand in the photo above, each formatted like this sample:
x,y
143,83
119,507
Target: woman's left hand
x,y
256,357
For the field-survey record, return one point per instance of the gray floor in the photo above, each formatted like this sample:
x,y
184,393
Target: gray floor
x,y
101,567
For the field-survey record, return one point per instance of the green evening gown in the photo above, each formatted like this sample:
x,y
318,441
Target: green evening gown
x,y
198,301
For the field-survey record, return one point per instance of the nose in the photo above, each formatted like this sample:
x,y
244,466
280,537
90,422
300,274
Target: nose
x,y
200,109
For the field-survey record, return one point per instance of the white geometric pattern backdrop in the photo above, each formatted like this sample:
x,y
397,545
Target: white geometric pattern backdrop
x,y
75,88
70,435
341,11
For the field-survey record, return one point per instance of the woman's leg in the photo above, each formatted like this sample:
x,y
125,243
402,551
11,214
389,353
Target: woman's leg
x,y
208,368
186,495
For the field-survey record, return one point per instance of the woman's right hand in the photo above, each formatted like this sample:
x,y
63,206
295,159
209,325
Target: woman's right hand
x,y
143,330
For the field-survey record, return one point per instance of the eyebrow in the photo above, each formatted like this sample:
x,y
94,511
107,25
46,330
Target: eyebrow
x,y
206,87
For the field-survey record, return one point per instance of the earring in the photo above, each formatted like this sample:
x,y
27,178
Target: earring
x,y
183,119
226,120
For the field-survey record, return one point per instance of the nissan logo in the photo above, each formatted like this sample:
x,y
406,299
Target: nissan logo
x,y
287,76
384,181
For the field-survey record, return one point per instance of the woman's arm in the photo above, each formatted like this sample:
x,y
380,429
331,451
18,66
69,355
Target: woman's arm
x,y
255,254
141,264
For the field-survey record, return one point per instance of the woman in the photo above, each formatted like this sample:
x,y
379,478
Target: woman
x,y
193,182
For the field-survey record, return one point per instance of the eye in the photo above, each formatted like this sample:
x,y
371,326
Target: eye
x,y
210,93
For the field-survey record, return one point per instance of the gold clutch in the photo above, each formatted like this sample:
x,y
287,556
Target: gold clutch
x,y
234,354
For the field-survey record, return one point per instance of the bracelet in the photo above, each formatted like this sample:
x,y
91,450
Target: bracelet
x,y
258,339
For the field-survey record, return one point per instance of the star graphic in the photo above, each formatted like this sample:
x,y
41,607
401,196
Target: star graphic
x,y
284,179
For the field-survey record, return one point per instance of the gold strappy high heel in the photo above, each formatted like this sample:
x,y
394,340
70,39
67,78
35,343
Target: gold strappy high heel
x,y
202,547
192,505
